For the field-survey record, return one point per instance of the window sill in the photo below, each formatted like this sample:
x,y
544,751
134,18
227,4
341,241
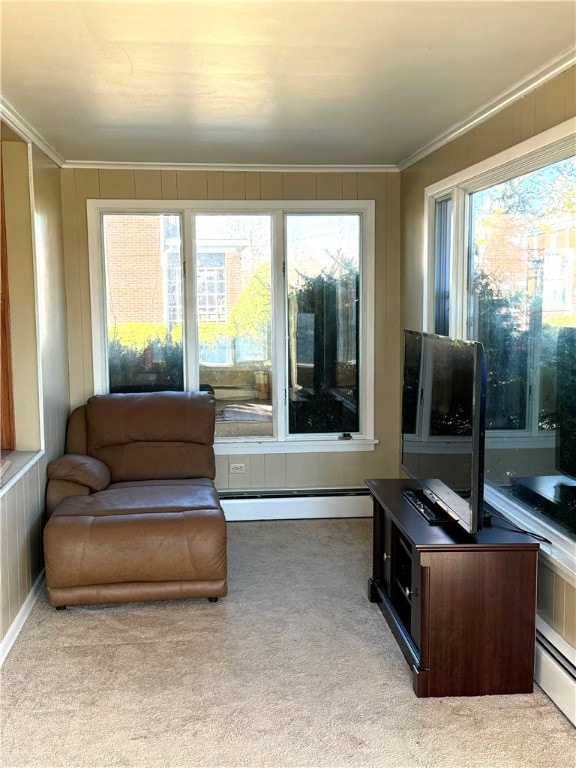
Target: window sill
x,y
20,463
559,554
225,447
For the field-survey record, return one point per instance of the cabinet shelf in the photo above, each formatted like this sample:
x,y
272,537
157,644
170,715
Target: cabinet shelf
x,y
446,595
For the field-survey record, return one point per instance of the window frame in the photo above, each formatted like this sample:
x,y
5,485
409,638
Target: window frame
x,y
7,421
283,442
548,147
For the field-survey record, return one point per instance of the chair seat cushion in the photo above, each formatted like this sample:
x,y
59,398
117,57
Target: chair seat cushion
x,y
144,499
164,533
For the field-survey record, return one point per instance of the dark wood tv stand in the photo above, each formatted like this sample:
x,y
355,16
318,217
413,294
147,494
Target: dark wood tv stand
x,y
462,608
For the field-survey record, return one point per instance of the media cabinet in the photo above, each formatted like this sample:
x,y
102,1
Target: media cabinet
x,y
462,607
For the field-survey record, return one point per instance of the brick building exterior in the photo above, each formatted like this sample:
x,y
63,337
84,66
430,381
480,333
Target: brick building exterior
x,y
144,275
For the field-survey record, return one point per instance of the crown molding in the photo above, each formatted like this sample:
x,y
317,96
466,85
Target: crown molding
x,y
530,83
22,128
246,168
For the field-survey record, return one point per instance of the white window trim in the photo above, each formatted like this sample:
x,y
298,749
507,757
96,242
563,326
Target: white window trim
x,y
546,148
365,440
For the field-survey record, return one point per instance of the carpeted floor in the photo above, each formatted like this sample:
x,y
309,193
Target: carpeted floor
x,y
294,668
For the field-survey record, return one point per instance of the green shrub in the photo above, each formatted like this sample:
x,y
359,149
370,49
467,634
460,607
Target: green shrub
x,y
140,361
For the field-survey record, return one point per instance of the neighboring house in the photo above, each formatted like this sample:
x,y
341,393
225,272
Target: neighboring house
x,y
144,273
49,281
555,248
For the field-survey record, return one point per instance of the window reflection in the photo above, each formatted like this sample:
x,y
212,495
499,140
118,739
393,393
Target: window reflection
x,y
323,264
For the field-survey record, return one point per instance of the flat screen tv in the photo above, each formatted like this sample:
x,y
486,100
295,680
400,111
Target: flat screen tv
x,y
443,414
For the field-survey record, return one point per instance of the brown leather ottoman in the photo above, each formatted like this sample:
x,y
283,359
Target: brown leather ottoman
x,y
137,542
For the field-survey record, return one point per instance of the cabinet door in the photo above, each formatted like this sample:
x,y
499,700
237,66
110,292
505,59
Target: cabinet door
x,y
382,547
480,622
405,586
416,600
386,552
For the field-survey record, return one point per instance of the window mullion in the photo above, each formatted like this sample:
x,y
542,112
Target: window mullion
x,y
191,346
279,329
366,350
459,271
98,309
533,399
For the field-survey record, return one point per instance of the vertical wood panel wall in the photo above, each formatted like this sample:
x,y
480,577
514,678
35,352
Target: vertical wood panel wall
x,y
22,501
21,559
21,278
549,105
277,471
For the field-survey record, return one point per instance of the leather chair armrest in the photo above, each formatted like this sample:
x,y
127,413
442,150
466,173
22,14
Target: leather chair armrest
x,y
57,490
76,468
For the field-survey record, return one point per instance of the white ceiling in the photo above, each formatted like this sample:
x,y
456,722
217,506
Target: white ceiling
x,y
345,83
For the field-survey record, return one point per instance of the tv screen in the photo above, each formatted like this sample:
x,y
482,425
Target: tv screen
x,y
443,405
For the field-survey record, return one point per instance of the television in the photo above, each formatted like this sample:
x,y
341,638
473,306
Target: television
x,y
443,415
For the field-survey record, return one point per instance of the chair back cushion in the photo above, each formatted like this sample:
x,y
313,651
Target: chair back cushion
x,y
149,436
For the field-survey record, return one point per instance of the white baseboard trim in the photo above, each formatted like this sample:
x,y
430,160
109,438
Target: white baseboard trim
x,y
14,630
556,682
296,508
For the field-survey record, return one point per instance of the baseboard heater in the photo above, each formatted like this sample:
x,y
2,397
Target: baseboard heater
x,y
556,675
290,493
295,504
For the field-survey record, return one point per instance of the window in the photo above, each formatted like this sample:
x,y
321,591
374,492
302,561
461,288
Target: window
x,y
442,250
323,268
515,291
268,308
144,321
233,293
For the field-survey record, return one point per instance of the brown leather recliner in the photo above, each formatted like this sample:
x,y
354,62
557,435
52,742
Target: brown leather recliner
x,y
133,512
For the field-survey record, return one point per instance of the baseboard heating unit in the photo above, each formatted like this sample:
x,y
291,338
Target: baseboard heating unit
x,y
555,669
293,504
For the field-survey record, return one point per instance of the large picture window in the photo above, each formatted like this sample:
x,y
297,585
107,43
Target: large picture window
x,y
270,309
323,271
514,290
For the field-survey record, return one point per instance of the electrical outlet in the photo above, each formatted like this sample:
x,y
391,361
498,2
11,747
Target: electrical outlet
x,y
237,469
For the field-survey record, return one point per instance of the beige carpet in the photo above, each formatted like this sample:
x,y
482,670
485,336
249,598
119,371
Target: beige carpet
x,y
294,668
